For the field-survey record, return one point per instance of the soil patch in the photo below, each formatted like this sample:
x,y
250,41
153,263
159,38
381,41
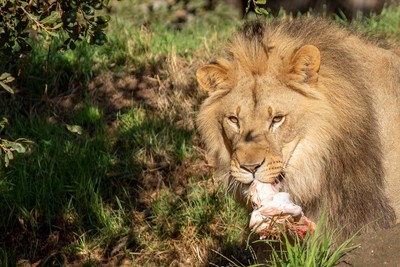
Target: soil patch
x,y
377,249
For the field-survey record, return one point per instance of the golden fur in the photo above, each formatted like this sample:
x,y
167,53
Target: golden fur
x,y
311,106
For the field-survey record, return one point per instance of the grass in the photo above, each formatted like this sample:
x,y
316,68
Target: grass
x,y
126,183
319,249
384,26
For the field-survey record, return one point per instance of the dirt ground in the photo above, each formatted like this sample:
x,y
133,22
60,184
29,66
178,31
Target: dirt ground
x,y
374,250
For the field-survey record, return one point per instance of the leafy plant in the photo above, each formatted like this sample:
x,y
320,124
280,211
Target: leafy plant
x,y
4,79
257,5
20,19
8,148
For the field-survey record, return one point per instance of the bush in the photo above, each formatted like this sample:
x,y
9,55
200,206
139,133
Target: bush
x,y
19,20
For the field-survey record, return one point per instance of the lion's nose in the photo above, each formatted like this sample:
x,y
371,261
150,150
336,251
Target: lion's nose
x,y
252,168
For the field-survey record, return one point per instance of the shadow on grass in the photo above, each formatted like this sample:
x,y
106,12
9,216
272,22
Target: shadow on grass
x,y
90,184
231,254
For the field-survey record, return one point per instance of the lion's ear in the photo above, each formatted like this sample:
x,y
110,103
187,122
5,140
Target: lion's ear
x,y
305,64
212,77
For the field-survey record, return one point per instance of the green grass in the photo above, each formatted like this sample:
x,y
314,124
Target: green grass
x,y
385,26
154,139
63,167
113,185
322,249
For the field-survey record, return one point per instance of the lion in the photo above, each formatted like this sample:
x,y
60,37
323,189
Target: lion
x,y
314,107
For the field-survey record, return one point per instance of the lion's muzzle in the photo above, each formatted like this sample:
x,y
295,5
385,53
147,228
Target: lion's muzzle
x,y
252,168
246,166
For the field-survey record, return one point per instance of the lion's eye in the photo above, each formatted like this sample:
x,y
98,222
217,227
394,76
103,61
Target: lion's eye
x,y
233,119
276,122
278,119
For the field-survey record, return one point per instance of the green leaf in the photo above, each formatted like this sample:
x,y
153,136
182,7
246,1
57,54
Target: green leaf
x,y
3,123
6,143
19,148
53,34
6,160
59,25
6,87
98,6
88,10
74,129
261,2
103,19
9,79
261,11
102,26
248,6
4,76
52,18
10,154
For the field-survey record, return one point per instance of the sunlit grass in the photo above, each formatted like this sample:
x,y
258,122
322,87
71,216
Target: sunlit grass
x,y
321,249
386,25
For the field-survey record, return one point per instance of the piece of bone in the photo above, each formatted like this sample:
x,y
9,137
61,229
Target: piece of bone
x,y
274,211
270,202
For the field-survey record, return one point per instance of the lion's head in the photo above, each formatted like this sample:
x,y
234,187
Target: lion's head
x,y
260,116
263,102
283,106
